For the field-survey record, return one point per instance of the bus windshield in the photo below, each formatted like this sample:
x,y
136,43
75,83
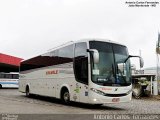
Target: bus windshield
x,y
112,69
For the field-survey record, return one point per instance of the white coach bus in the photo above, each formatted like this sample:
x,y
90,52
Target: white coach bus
x,y
87,71
9,80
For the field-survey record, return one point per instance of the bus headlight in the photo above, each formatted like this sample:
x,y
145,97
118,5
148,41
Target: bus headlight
x,y
97,91
129,92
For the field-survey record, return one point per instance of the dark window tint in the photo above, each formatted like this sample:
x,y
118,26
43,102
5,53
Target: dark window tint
x,y
119,49
101,46
81,63
15,76
60,56
38,62
66,54
9,76
2,75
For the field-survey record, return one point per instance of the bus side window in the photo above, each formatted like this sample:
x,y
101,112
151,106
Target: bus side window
x,y
15,76
81,63
1,75
65,54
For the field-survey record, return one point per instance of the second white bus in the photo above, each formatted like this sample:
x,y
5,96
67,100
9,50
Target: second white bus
x,y
9,80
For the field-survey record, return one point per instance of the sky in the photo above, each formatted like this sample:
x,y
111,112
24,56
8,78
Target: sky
x,y
32,27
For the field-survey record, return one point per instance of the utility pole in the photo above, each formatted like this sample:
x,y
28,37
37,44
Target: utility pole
x,y
155,84
140,56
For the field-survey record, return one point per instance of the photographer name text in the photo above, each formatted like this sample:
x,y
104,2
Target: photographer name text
x,y
142,3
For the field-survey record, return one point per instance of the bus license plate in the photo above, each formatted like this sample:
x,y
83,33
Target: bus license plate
x,y
115,99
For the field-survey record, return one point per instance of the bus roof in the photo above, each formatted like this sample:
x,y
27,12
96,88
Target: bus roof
x,y
74,42
9,73
84,40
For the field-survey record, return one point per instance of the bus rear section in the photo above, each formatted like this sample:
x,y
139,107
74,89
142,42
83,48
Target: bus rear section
x,y
9,80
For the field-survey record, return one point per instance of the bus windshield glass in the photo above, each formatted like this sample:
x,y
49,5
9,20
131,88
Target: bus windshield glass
x,y
112,69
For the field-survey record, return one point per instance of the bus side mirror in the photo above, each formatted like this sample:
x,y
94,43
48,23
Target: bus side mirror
x,y
95,55
141,62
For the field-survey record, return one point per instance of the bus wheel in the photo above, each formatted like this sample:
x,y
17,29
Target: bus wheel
x,y
0,86
27,92
65,96
98,105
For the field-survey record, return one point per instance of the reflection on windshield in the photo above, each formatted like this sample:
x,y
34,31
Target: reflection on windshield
x,y
111,69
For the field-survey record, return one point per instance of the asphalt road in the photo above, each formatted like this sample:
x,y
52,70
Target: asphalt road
x,y
15,103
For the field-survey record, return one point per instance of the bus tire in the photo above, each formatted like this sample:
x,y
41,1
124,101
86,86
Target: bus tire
x,y
0,86
27,91
98,105
65,96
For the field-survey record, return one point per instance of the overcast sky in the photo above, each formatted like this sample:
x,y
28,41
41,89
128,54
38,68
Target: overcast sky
x,y
31,27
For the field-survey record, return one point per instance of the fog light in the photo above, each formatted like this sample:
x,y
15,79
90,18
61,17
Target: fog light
x,y
94,100
130,98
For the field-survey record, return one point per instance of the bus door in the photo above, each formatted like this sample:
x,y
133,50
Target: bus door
x,y
81,71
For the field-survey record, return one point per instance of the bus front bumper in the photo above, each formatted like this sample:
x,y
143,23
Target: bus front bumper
x,y
100,99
